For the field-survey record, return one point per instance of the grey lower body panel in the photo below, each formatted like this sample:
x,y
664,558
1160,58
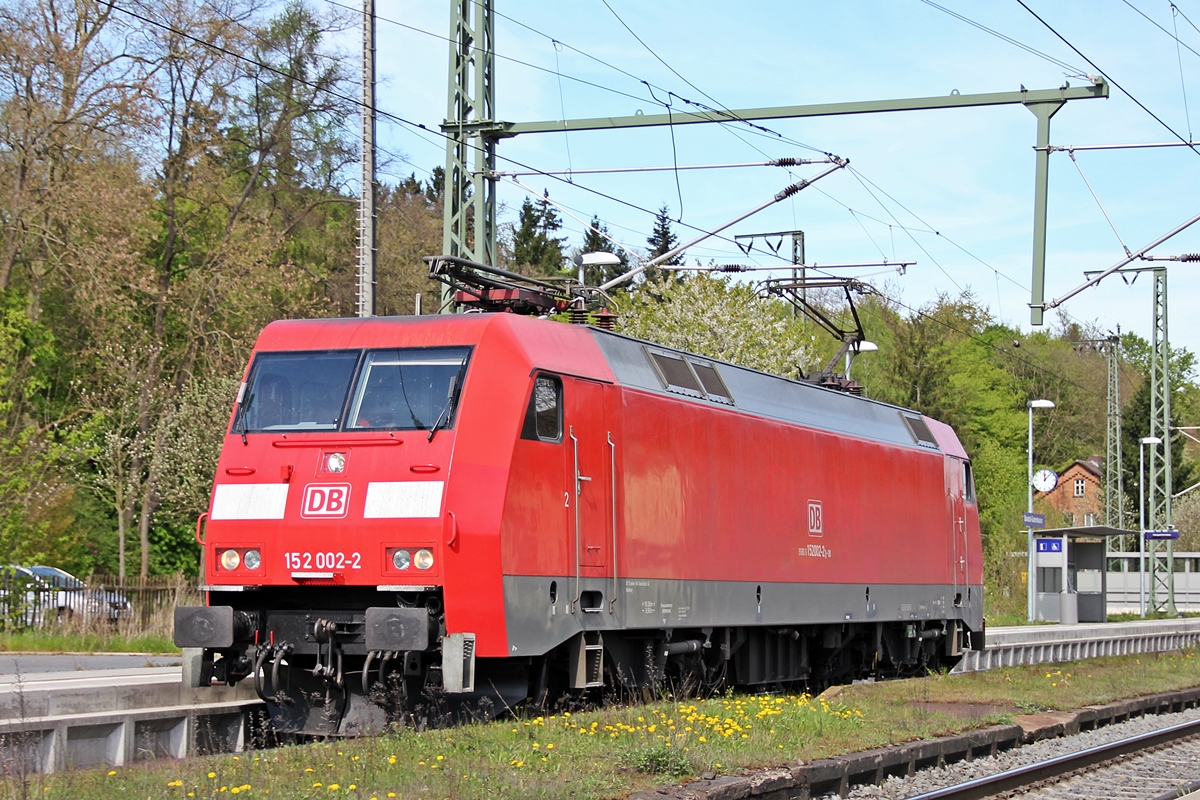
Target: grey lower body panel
x,y
536,624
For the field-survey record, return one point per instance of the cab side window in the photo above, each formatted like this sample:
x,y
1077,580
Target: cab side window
x,y
968,482
543,418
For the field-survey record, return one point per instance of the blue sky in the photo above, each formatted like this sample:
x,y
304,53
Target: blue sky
x,y
966,174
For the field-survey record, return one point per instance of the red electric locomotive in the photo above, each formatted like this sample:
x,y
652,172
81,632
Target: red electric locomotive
x,y
494,505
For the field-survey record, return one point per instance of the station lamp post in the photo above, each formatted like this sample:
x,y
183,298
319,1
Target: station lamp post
x,y
1030,576
1145,440
862,346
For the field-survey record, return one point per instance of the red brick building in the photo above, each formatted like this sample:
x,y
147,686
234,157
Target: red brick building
x,y
1079,495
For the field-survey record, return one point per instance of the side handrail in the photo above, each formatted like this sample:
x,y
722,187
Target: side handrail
x,y
199,523
578,555
612,447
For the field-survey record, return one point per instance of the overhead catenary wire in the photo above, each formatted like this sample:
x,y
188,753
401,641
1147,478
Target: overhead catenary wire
x,y
417,126
1107,77
1095,197
734,118
1071,69
423,129
1179,59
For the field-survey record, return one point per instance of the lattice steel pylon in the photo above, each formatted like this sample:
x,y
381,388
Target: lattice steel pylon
x,y
1162,560
470,192
1114,483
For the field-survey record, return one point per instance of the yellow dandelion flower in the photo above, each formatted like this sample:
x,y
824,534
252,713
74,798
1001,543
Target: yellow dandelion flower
x,y
306,769
548,747
211,774
333,787
443,758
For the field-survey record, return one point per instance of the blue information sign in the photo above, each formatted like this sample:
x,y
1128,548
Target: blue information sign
x,y
1033,520
1049,545
1161,536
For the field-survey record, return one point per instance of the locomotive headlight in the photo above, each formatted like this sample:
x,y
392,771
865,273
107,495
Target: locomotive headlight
x,y
230,559
335,462
252,559
401,559
423,559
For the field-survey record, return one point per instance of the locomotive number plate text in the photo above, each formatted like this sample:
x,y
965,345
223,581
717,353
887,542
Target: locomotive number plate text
x,y
322,560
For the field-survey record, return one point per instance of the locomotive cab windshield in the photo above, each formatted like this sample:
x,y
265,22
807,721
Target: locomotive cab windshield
x,y
352,390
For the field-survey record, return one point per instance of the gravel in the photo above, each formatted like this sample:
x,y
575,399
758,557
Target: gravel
x,y
940,777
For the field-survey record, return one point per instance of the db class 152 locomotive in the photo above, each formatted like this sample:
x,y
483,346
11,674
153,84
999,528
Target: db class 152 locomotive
x,y
492,505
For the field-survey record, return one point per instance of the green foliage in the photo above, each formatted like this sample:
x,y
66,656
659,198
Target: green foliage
x,y
658,760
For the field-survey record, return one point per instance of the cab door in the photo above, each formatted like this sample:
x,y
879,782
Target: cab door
x,y
588,478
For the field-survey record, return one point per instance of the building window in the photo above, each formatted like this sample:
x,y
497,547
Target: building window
x,y
1089,519
1080,487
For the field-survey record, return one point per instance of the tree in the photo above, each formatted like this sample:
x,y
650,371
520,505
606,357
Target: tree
x,y
409,227
535,248
595,241
720,319
662,240
1135,425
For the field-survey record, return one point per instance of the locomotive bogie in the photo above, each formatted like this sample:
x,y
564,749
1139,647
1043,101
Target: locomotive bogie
x,y
489,505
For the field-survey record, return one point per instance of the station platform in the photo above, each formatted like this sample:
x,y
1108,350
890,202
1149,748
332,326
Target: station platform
x,y
1037,644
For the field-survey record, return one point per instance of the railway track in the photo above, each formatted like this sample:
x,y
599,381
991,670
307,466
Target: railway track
x,y
1149,765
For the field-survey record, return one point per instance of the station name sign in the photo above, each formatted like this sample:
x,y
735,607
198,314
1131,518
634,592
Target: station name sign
x,y
1161,536
1032,520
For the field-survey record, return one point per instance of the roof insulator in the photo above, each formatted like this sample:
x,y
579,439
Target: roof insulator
x,y
1190,257
606,319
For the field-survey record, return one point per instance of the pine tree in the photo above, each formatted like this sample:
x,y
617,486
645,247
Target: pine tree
x,y
534,246
525,237
595,242
662,240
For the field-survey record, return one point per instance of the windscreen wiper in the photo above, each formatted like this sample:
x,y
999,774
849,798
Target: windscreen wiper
x,y
447,409
241,418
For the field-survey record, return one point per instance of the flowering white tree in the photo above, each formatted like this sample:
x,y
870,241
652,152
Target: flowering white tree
x,y
722,319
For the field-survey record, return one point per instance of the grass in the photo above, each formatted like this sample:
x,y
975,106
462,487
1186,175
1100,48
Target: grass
x,y
97,640
613,751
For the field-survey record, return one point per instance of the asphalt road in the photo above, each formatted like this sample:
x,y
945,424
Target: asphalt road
x,y
38,663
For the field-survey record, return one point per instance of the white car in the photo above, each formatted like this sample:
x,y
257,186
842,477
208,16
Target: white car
x,y
21,594
67,596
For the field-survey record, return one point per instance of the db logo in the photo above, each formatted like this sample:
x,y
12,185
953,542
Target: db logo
x,y
815,520
325,500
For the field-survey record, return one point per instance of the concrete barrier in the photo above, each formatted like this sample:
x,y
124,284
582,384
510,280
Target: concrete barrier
x,y
64,720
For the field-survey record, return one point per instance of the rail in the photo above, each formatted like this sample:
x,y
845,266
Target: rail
x,y
1022,777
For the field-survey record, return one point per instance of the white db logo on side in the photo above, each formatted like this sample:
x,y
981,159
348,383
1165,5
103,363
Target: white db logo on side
x,y
815,520
325,500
